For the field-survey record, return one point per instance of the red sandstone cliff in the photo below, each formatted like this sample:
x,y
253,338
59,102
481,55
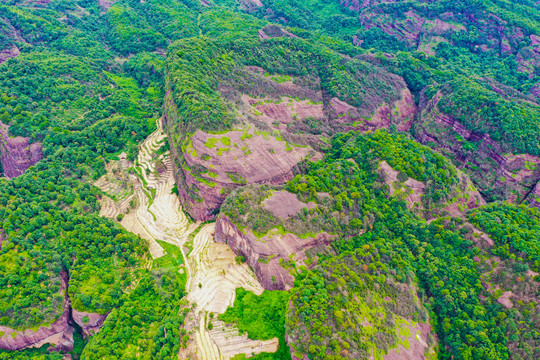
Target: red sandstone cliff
x,y
265,255
59,333
490,166
17,154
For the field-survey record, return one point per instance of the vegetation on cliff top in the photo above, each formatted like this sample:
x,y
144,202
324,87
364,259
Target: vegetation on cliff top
x,y
90,81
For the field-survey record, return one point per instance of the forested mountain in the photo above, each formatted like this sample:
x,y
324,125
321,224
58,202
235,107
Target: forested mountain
x,y
270,179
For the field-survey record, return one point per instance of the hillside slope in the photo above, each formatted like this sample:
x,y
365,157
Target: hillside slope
x,y
372,168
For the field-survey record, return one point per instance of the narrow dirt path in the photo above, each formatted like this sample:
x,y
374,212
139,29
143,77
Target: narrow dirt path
x,y
212,272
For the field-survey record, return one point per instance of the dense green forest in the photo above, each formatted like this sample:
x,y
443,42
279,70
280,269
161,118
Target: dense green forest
x,y
86,80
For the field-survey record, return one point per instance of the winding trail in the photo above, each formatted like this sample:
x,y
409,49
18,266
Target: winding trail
x,y
212,272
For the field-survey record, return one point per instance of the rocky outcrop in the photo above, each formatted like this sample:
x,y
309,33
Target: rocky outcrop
x,y
415,30
400,113
535,90
214,165
422,30
90,323
417,344
10,49
17,154
59,333
274,31
250,5
490,166
267,254
293,353
534,196
276,122
9,53
106,5
464,195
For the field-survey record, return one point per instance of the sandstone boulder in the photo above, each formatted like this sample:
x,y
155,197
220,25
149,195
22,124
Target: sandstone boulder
x,y
90,323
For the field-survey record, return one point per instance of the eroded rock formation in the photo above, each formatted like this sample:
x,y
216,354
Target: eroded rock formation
x,y
528,58
267,256
280,120
10,48
212,172
422,31
90,323
17,154
490,166
9,53
59,333
412,191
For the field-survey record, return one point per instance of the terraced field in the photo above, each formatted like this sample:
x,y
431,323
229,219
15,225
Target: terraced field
x,y
212,272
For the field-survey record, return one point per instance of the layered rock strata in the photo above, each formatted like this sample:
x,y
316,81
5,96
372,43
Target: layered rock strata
x,y
512,176
59,333
266,256
17,154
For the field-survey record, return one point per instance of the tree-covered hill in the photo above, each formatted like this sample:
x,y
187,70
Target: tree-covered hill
x,y
377,162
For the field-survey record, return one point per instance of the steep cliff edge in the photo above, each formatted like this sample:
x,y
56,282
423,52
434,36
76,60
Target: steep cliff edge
x,y
90,323
255,124
59,333
270,256
17,154
495,170
273,231
211,166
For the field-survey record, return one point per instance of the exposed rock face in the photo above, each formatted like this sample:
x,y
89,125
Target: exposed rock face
x,y
422,30
274,31
59,333
278,122
264,255
9,53
534,196
490,167
250,5
10,49
415,30
284,204
535,90
528,59
106,5
17,154
212,172
417,341
401,114
412,191
90,323
357,5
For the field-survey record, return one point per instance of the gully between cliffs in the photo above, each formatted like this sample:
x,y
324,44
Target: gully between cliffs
x,y
60,332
